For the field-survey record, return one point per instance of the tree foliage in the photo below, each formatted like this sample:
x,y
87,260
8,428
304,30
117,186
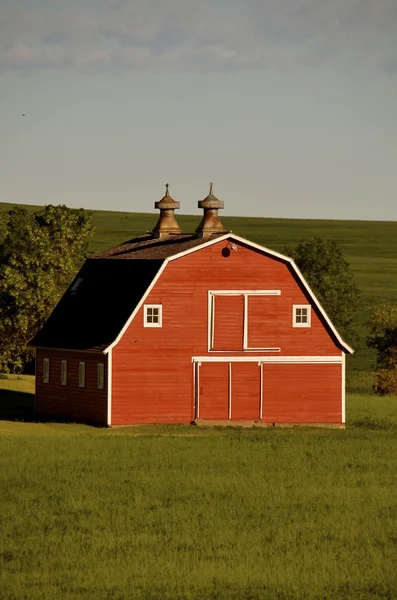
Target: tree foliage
x,y
383,337
328,274
39,255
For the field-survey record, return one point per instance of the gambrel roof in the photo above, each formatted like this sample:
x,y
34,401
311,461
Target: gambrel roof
x,y
115,283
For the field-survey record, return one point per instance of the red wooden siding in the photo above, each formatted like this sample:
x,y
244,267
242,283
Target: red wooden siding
x,y
302,393
213,387
228,322
264,328
152,367
87,404
245,386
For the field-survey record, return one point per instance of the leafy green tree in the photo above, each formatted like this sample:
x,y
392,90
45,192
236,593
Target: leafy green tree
x,y
383,337
329,276
39,255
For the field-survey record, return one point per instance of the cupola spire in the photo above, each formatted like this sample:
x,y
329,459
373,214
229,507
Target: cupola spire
x,y
210,222
167,224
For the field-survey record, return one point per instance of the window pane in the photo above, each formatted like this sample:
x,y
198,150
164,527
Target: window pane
x,y
64,372
46,370
301,316
152,316
100,381
82,374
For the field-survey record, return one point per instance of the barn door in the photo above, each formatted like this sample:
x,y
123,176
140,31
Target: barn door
x,y
227,322
245,385
228,390
212,391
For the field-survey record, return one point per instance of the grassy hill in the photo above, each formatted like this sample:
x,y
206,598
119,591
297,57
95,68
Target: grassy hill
x,y
369,246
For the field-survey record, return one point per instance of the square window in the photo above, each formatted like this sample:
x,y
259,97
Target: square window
x,y
64,372
46,370
152,315
301,315
100,376
82,374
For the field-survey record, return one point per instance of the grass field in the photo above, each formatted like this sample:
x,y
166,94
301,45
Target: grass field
x,y
181,512
369,246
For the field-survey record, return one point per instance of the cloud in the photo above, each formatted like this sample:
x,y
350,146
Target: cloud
x,y
185,35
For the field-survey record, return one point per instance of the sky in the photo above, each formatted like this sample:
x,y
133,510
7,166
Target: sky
x,y
288,106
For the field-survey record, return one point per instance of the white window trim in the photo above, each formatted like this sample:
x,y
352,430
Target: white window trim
x,y
145,311
309,315
82,374
246,294
100,376
64,372
46,370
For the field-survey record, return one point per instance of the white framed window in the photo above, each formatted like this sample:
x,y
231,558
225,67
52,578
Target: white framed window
x,y
46,370
100,376
64,372
81,374
301,315
152,315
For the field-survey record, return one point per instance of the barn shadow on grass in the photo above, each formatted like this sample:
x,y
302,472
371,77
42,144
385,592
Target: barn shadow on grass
x,y
16,406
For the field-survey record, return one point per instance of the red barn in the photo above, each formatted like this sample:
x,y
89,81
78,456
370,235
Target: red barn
x,y
173,327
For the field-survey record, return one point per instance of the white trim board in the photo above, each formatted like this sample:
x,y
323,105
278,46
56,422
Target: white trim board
x,y
245,292
272,359
343,388
109,390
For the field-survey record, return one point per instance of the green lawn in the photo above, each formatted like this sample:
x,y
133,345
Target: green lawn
x,y
182,512
369,246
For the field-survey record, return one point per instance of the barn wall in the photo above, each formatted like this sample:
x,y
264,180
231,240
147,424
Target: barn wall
x,y
70,401
152,369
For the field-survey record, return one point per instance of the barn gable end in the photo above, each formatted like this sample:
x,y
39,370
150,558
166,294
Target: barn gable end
x,y
185,288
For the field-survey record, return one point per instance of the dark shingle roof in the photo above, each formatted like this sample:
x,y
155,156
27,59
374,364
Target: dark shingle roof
x,y
148,248
112,286
92,318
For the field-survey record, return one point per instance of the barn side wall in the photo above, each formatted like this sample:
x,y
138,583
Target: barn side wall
x,y
71,402
152,369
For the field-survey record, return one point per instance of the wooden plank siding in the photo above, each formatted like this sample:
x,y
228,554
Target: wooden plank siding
x,y
83,404
302,393
152,369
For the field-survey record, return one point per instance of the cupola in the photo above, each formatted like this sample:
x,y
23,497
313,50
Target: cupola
x,y
166,225
210,222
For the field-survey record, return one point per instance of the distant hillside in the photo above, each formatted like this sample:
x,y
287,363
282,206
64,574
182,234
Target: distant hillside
x,y
369,246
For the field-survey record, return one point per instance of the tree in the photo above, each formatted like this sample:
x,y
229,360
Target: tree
x,y
328,274
39,255
383,337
